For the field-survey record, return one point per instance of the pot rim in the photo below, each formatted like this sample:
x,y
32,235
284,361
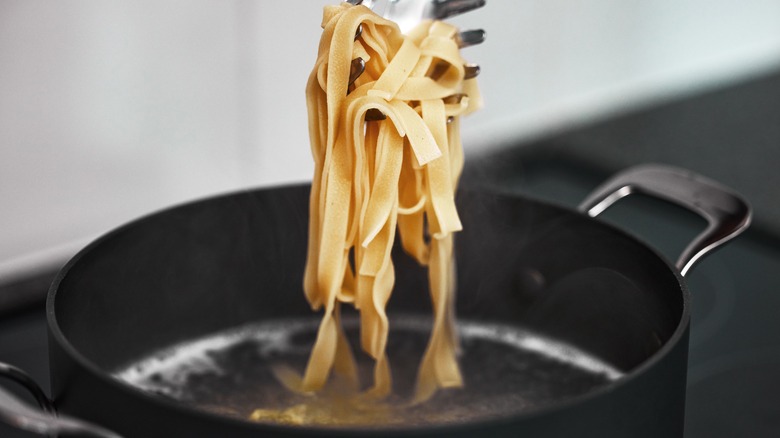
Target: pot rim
x,y
56,333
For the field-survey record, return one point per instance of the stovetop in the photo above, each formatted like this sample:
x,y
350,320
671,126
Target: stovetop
x,y
732,135
734,362
734,353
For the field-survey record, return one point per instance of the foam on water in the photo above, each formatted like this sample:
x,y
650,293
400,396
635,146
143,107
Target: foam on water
x,y
507,370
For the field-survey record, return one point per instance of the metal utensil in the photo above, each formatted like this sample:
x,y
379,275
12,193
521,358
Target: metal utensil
x,y
408,13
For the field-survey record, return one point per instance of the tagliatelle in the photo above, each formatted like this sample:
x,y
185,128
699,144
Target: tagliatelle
x,y
373,178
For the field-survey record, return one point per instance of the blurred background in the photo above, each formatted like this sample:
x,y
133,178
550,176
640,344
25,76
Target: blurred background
x,y
112,109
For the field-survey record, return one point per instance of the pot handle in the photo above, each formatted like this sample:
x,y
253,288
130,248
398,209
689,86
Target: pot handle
x,y
727,213
45,420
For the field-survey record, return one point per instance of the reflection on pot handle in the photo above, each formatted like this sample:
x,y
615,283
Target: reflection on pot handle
x,y
726,212
43,420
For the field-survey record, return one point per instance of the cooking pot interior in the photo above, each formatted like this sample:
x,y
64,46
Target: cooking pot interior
x,y
552,304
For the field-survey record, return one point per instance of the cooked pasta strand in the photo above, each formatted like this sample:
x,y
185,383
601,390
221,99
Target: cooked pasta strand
x,y
373,179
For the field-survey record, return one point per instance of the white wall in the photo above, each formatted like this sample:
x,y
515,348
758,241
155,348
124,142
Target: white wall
x,y
112,109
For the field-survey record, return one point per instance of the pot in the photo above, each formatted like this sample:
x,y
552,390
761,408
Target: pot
x,y
588,326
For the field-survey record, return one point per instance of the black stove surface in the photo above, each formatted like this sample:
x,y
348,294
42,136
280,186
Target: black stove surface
x,y
734,363
23,344
732,135
734,353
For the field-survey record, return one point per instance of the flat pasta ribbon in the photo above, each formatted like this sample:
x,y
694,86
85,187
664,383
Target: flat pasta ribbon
x,y
378,178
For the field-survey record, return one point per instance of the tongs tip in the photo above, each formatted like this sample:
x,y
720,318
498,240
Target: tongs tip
x,y
447,8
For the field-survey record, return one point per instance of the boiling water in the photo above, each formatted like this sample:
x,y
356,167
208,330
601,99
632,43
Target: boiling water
x,y
506,369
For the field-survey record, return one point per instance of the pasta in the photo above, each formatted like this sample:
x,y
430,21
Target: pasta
x,y
373,178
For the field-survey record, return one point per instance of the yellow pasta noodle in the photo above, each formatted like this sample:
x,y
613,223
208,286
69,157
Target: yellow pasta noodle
x,y
374,178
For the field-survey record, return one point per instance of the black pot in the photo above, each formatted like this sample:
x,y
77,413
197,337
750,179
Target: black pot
x,y
571,281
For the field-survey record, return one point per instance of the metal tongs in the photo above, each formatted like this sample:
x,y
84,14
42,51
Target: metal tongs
x,y
407,14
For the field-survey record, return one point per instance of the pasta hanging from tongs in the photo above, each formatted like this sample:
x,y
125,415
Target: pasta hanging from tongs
x,y
396,172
